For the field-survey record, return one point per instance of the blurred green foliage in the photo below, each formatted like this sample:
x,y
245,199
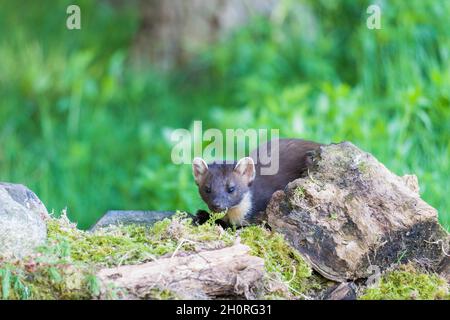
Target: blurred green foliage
x,y
86,131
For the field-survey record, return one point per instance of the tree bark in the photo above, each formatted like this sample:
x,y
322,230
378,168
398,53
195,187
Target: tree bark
x,y
351,216
171,31
225,273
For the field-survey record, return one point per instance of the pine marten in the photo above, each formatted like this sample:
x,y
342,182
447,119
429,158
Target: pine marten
x,y
240,189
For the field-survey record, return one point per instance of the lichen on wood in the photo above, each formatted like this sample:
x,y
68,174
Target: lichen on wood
x,y
230,272
349,212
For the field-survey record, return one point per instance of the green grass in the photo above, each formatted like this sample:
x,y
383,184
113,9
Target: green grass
x,y
86,131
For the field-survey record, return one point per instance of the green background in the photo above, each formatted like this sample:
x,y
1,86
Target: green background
x,y
86,131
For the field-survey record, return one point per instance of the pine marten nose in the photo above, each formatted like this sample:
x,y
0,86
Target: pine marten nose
x,y
217,207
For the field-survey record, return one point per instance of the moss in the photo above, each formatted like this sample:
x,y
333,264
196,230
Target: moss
x,y
299,192
408,283
51,273
363,167
42,281
298,196
131,244
161,294
282,262
65,267
112,246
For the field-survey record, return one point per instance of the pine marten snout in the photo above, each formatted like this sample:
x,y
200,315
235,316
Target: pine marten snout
x,y
242,189
226,187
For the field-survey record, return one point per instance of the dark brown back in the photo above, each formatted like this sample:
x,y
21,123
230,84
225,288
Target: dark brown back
x,y
292,164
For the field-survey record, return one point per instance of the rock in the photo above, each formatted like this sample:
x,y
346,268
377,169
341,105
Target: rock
x,y
351,214
115,217
22,221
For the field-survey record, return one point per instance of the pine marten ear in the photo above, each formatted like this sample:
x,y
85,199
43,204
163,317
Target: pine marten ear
x,y
246,169
199,169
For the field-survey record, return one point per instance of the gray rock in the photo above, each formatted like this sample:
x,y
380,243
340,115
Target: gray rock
x,y
22,221
350,214
116,217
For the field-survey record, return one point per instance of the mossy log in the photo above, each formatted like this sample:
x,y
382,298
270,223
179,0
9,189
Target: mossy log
x,y
342,291
444,268
350,216
230,272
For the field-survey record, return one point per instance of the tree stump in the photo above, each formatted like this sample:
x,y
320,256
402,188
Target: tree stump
x,y
350,216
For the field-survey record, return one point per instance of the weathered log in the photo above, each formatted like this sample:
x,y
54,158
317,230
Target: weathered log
x,y
350,215
116,217
342,291
444,268
225,273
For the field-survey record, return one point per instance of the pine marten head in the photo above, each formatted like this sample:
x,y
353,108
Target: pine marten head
x,y
224,186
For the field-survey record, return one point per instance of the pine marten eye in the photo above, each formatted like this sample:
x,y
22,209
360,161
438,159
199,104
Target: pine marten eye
x,y
230,189
207,189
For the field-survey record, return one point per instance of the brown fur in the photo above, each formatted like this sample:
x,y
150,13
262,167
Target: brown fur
x,y
252,190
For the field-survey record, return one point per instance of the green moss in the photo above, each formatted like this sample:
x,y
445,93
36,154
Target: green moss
x,y
299,192
282,262
363,167
51,273
36,280
407,283
161,294
131,244
111,246
65,267
298,196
